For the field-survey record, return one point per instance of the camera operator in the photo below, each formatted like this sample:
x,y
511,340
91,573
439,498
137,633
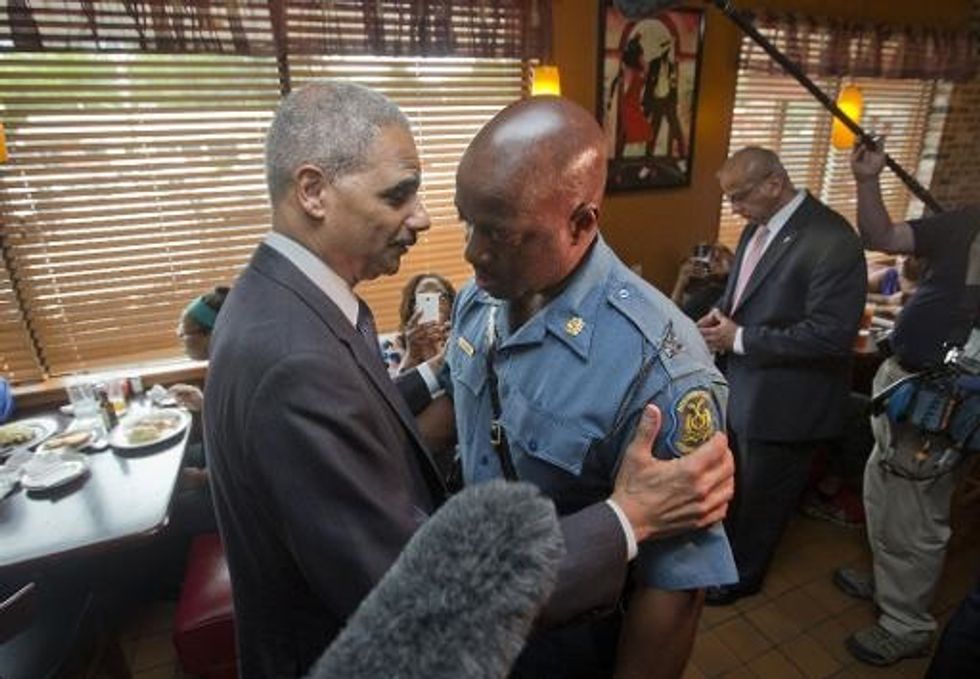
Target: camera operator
x,y
910,476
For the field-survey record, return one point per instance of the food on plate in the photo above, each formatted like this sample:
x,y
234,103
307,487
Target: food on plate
x,y
69,439
151,427
14,434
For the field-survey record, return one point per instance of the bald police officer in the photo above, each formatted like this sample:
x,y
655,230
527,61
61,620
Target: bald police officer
x,y
554,352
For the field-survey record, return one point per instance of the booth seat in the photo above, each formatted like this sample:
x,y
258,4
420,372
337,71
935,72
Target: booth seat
x,y
204,624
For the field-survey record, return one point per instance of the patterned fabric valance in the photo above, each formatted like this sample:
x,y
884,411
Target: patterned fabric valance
x,y
829,47
481,28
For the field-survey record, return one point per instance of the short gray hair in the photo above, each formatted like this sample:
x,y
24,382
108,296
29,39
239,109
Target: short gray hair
x,y
328,123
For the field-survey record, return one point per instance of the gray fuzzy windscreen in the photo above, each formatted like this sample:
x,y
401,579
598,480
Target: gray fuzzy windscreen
x,y
461,598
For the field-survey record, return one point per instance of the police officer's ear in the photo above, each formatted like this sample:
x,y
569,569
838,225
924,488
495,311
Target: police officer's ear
x,y
584,220
309,187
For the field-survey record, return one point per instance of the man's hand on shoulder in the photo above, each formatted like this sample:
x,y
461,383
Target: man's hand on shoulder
x,y
662,498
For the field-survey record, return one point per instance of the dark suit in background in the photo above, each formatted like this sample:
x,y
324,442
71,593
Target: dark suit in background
x,y
799,313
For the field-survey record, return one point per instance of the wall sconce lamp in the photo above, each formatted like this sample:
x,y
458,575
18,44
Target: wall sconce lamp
x,y
851,102
545,80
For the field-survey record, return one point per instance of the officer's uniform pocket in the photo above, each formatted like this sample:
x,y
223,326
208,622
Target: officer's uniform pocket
x,y
469,370
540,435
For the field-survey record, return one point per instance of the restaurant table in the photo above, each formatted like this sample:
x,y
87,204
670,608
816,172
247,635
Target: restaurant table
x,y
124,497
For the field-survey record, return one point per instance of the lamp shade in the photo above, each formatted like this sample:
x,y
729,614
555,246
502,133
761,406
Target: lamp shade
x,y
851,102
3,145
545,80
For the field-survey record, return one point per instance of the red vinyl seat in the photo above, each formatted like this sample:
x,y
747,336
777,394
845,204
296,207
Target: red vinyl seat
x,y
204,624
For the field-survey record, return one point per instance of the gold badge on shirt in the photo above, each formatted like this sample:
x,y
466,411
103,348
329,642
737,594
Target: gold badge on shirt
x,y
465,346
696,420
574,325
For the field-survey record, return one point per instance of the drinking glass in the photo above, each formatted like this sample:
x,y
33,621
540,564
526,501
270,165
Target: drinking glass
x,y
81,394
116,391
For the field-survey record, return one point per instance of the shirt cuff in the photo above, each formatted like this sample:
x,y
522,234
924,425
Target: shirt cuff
x,y
631,548
429,377
737,345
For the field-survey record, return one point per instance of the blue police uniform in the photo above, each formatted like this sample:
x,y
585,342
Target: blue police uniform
x,y
572,383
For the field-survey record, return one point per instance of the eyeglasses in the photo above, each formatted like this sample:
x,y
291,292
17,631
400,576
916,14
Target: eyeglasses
x,y
742,196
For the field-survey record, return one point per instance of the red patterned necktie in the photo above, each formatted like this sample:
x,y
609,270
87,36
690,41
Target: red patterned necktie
x,y
753,253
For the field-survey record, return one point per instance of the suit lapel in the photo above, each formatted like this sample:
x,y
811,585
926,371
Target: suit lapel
x,y
277,267
777,249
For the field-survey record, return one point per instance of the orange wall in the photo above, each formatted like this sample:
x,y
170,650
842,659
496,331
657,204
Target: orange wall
x,y
657,228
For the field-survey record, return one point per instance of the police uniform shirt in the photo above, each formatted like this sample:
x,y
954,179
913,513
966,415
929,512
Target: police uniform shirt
x,y
573,381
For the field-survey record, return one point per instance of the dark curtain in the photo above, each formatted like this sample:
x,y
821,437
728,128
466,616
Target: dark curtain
x,y
827,47
479,28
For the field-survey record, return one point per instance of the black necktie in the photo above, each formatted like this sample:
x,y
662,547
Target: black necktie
x,y
365,326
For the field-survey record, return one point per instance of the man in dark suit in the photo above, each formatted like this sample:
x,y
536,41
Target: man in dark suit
x,y
785,325
320,474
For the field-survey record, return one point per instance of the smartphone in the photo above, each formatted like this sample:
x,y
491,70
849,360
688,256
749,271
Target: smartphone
x,y
428,304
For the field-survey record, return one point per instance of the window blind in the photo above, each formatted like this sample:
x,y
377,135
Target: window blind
x,y
773,110
136,182
17,358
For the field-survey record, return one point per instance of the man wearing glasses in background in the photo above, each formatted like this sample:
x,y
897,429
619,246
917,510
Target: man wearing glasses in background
x,y
784,330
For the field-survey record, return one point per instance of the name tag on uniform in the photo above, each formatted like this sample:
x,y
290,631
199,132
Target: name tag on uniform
x,y
465,346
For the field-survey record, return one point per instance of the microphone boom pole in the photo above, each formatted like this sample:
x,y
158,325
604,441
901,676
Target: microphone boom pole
x,y
749,28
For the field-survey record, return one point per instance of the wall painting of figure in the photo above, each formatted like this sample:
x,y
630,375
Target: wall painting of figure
x,y
648,80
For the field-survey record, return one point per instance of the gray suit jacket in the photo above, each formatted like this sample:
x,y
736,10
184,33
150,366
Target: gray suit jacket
x,y
800,312
320,477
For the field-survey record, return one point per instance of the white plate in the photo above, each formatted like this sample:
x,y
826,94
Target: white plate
x,y
119,438
51,442
50,470
43,427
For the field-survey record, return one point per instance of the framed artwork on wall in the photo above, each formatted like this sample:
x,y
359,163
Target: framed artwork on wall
x,y
649,65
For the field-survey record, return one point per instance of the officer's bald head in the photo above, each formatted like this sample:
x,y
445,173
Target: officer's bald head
x,y
538,149
529,188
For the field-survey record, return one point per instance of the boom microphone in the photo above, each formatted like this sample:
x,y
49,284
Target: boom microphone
x,y
463,595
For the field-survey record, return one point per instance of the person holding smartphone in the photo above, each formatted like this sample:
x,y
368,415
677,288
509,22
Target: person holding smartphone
x,y
702,278
427,300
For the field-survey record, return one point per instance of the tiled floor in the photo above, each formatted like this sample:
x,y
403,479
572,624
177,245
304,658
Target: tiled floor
x,y
797,625
794,628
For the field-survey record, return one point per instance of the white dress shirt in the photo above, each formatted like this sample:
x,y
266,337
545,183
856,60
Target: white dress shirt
x,y
336,289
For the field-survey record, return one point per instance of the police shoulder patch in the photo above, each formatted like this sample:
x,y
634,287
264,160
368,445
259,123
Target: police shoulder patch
x,y
694,419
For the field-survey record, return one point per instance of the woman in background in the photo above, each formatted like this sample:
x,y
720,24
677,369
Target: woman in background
x,y
701,284
194,330
192,506
418,341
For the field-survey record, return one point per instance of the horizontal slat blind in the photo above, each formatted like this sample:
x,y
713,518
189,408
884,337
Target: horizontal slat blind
x,y
446,101
134,183
774,111
899,109
214,26
17,356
